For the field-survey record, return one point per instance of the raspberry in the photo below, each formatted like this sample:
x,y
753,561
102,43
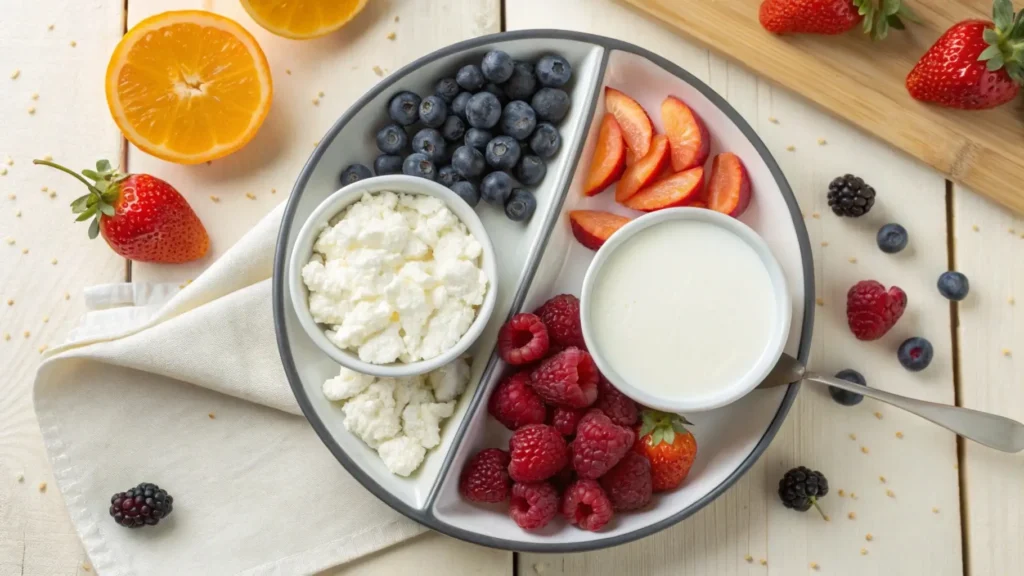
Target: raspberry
x,y
143,505
616,405
599,445
565,420
523,339
628,484
561,315
515,404
485,477
567,379
586,505
871,311
533,505
538,453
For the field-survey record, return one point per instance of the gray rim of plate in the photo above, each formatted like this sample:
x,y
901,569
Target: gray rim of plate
x,y
425,517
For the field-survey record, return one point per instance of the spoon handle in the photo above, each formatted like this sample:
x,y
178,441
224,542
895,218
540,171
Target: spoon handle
x,y
984,428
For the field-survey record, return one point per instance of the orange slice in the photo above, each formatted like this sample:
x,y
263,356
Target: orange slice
x,y
302,19
188,86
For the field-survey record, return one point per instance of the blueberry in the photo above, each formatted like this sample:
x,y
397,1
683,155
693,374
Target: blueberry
x,y
448,176
551,104
430,142
470,77
545,141
842,396
498,92
520,206
433,111
355,173
404,108
468,162
502,152
467,191
954,286
523,83
915,354
392,139
447,89
418,164
453,129
496,188
483,110
458,106
477,138
497,66
892,238
518,120
553,71
387,164
531,170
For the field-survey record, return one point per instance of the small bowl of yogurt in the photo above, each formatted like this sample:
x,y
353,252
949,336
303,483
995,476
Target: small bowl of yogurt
x,y
685,309
393,276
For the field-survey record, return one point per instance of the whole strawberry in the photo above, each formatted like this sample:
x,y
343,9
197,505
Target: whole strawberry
x,y
871,310
142,218
833,16
976,64
669,446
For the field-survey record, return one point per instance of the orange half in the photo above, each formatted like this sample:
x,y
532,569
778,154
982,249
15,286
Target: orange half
x,y
303,19
188,86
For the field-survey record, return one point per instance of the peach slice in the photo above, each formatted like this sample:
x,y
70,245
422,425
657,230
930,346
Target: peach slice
x,y
644,171
592,227
609,158
687,136
636,124
677,190
729,185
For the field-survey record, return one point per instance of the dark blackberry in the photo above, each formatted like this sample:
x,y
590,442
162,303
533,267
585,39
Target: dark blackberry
x,y
849,196
144,505
801,488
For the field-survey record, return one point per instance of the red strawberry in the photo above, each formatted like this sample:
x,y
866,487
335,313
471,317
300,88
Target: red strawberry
x,y
593,227
515,404
533,505
834,16
142,218
485,477
567,379
871,310
538,452
669,446
561,315
586,505
617,406
523,339
565,420
628,484
599,445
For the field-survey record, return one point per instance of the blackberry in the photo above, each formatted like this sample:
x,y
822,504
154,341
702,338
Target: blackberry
x,y
144,505
801,488
849,196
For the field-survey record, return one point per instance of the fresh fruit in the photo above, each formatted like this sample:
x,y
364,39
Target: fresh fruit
x,y
537,453
188,86
849,196
687,136
515,404
619,408
565,420
470,77
354,173
561,315
498,93
143,505
553,71
447,176
518,120
485,477
593,227
302,19
496,188
458,106
551,104
953,286
502,153
586,505
628,485
419,164
531,170
599,445
521,205
447,89
532,506
871,310
483,110
546,141
892,238
915,354
810,16
676,190
729,185
468,162
644,171
142,218
453,129
478,139
497,66
404,108
522,340
698,204
670,447
467,191
609,159
430,142
842,396
523,83
392,139
433,111
800,488
636,126
387,164
567,379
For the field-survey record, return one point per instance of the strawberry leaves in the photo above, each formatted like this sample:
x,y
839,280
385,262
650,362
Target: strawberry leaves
x,y
1005,41
662,426
103,192
881,15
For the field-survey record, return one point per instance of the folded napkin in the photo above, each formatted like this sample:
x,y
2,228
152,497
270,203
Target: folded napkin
x,y
183,387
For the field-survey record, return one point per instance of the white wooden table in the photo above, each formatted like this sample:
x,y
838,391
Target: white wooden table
x,y
916,501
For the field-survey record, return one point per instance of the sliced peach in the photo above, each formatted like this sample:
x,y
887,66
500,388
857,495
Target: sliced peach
x,y
728,185
644,171
636,124
592,227
609,158
687,135
677,190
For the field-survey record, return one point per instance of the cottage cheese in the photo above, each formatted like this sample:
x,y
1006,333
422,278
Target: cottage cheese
x,y
396,277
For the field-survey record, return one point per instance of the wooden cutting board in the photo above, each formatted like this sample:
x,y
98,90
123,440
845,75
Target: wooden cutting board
x,y
863,82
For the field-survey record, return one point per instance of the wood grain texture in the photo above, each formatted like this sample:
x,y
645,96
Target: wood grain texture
x,y
863,82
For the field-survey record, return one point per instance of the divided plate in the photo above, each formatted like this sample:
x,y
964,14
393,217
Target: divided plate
x,y
537,261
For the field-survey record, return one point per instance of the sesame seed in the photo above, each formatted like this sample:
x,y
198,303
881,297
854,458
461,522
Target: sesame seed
x,y
396,18
853,260
214,198
21,478
1006,352
212,415
749,558
853,495
44,189
842,492
54,261
819,301
86,566
7,336
17,213
273,190
42,348
878,415
67,296
391,36
899,435
15,74
1022,234
53,193
35,95
316,101
46,319
790,148
73,43
869,537
853,436
288,71
378,70
956,465
822,142
320,94
773,119
50,27
815,215
763,562
10,241
42,486
1011,301
814,566
24,250
852,515
250,195
881,479
12,196
824,244
863,551
10,302
3,171
890,493
31,109
10,161
27,334
975,228
864,449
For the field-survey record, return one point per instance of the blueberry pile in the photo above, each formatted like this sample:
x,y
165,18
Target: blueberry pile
x,y
488,132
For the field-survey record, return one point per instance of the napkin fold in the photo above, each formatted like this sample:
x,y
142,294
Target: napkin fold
x,y
183,387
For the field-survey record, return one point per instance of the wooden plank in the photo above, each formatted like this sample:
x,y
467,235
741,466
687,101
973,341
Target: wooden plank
x,y
749,519
863,82
989,241
44,72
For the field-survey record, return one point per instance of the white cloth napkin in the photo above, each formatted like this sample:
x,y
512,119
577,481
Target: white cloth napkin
x,y
183,387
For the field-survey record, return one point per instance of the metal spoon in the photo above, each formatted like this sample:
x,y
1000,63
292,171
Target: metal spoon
x,y
984,428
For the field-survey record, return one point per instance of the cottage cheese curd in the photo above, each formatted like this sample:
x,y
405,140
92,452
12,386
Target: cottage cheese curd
x,y
396,277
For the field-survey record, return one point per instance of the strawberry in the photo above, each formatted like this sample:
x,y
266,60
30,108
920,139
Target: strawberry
x,y
141,217
609,158
834,16
669,446
593,227
976,64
